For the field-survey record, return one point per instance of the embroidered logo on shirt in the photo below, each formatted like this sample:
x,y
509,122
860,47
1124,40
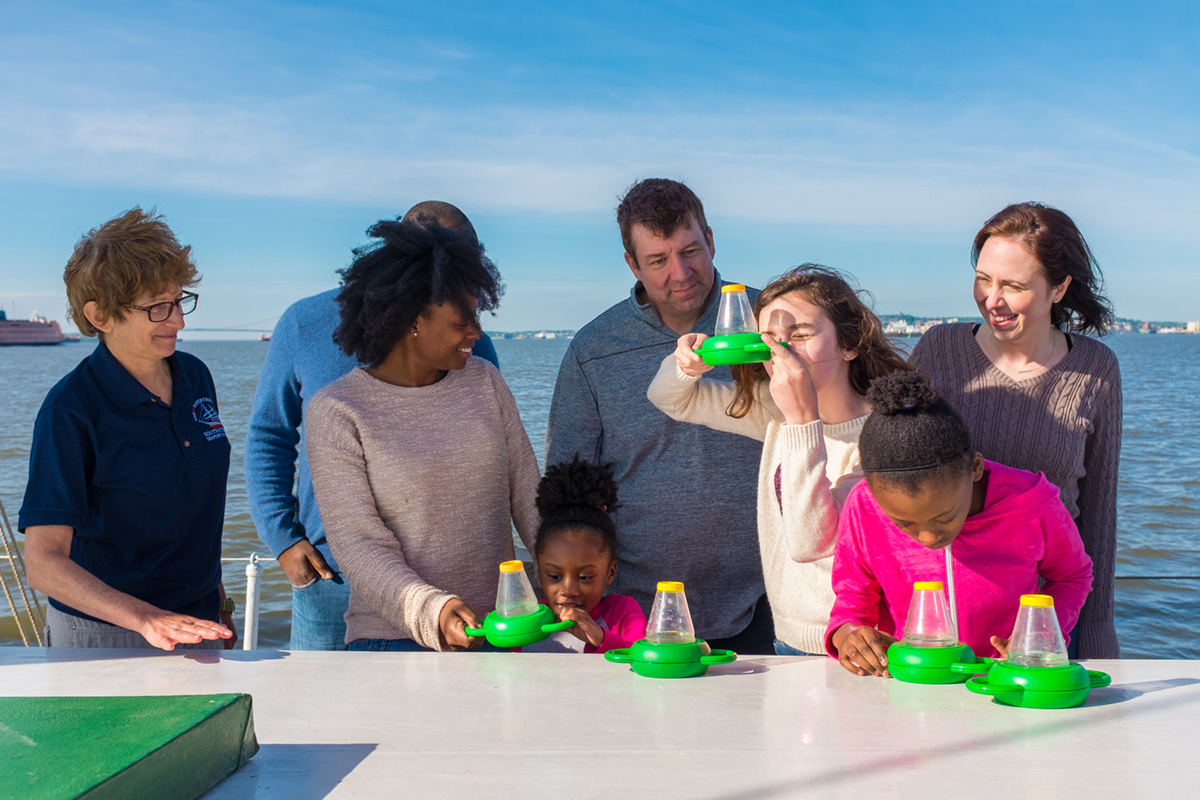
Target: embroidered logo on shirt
x,y
204,411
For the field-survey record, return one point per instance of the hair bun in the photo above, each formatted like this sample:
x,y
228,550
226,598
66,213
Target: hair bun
x,y
901,392
576,483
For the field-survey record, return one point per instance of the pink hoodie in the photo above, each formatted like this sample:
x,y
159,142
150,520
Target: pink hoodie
x,y
1023,533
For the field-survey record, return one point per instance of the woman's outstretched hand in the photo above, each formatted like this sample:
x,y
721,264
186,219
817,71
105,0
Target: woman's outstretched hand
x,y
791,385
862,649
455,618
164,629
689,362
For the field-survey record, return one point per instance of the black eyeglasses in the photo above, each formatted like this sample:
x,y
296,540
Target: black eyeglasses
x,y
161,312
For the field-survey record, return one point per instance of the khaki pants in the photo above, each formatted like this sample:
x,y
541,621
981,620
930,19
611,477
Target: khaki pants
x,y
68,630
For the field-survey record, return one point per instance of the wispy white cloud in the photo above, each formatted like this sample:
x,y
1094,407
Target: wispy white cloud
x,y
869,166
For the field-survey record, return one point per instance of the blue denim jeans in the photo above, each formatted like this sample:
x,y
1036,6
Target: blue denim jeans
x,y
389,645
319,614
408,646
785,649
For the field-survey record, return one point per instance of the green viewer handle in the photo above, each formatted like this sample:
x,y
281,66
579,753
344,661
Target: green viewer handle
x,y
1099,679
753,347
555,627
474,632
719,657
980,685
620,656
973,668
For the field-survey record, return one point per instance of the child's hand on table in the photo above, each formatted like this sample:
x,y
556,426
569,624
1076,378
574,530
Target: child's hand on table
x,y
862,649
1001,646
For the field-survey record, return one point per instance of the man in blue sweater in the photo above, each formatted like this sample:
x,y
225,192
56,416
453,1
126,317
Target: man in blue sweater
x,y
688,508
302,360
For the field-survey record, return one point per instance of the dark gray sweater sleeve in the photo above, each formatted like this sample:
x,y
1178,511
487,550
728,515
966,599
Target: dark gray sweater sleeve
x,y
575,425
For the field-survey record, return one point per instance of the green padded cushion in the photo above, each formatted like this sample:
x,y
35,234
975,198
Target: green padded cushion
x,y
122,747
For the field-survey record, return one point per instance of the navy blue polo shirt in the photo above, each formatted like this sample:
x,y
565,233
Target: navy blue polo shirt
x,y
142,483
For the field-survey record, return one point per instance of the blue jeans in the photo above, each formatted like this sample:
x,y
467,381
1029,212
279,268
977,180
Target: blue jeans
x,y
389,645
319,614
407,646
785,649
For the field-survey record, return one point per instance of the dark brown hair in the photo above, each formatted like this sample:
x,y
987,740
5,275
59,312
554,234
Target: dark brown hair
x,y
1054,240
659,204
126,257
857,327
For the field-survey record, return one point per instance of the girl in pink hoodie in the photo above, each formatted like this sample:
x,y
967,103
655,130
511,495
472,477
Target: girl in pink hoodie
x,y
926,489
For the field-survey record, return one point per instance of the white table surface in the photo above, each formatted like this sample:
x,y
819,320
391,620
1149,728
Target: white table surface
x,y
367,725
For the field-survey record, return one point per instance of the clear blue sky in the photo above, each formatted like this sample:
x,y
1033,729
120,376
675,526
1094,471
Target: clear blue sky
x,y
874,137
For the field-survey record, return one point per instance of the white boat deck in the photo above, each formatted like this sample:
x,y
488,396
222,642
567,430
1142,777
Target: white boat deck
x,y
382,725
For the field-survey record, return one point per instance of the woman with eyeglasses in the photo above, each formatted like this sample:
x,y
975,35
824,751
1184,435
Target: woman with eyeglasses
x,y
125,501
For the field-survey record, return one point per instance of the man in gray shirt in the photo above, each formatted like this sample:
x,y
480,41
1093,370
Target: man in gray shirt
x,y
687,492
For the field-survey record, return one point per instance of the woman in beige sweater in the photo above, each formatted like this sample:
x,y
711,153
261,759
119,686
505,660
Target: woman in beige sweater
x,y
807,406
419,461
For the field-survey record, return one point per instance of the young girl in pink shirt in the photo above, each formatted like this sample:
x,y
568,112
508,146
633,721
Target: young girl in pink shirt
x,y
577,560
932,508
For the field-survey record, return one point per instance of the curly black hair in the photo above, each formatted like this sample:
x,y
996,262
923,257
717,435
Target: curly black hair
x,y
913,436
577,495
414,265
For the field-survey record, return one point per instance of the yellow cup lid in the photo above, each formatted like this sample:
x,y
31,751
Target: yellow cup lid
x,y
933,586
733,287
511,566
1039,600
670,586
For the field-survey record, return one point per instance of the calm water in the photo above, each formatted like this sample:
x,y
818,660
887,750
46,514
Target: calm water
x,y
1159,500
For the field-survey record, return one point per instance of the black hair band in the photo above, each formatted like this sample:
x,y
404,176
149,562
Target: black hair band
x,y
589,515
921,467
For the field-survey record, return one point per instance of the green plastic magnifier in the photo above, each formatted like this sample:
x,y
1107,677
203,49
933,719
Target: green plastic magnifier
x,y
1038,687
675,660
953,664
520,631
734,348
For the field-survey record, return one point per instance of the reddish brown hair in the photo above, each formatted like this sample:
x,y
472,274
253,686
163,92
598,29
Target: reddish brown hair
x,y
1054,240
857,327
126,257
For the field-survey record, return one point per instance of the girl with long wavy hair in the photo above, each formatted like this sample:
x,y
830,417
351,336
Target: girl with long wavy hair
x,y
807,405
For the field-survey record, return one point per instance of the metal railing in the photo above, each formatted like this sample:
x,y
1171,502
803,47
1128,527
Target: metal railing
x,y
35,619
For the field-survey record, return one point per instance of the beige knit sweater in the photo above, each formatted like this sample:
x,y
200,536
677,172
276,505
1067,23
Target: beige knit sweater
x,y
797,528
418,488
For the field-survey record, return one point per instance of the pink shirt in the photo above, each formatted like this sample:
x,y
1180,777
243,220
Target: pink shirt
x,y
1022,534
619,615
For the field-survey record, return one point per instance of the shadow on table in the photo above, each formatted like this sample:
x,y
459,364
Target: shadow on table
x,y
294,771
64,654
1119,693
743,666
905,761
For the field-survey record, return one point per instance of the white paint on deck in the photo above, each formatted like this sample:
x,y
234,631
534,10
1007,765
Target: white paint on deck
x,y
382,725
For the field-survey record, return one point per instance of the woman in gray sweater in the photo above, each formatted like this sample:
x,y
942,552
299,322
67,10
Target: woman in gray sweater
x,y
420,463
1035,392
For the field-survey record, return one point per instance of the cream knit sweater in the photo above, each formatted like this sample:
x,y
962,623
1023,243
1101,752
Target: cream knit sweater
x,y
418,488
797,529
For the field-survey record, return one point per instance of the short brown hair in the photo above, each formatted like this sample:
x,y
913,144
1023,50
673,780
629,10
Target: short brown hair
x,y
857,327
126,257
1054,240
661,205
